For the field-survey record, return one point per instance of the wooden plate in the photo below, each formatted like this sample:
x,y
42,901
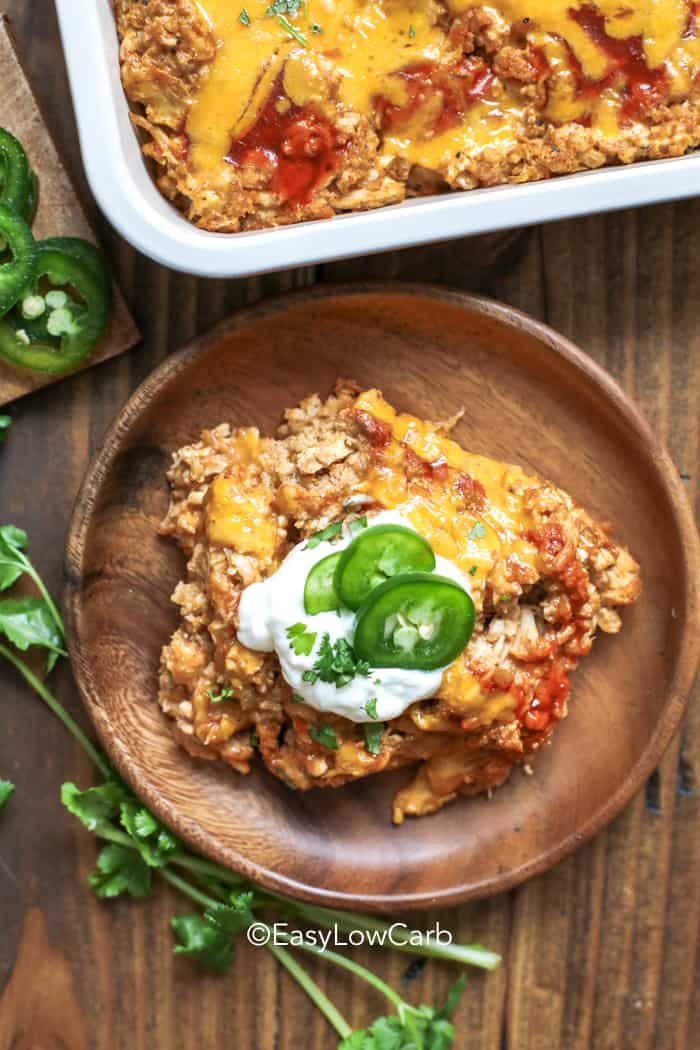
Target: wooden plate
x,y
531,398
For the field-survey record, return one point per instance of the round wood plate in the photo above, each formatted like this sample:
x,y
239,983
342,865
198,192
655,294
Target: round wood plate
x,y
532,398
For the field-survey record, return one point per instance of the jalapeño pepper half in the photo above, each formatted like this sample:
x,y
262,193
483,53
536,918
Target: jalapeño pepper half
x,y
54,331
377,554
319,590
18,186
418,621
17,272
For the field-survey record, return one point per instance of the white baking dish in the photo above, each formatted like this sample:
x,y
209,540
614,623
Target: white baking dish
x,y
126,194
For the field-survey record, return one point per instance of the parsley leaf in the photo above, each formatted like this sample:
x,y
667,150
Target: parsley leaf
x,y
283,7
96,806
6,421
120,870
371,707
478,531
225,694
12,562
201,940
155,842
301,640
411,32
28,621
315,28
244,17
324,735
374,731
336,663
472,570
254,738
6,791
297,698
329,533
233,918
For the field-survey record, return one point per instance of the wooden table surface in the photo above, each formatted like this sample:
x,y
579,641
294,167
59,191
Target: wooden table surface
x,y
601,952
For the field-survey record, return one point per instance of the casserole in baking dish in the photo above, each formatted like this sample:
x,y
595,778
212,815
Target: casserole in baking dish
x,y
267,113
124,189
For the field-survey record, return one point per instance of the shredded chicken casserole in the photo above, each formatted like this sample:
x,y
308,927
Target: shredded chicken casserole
x,y
276,111
544,578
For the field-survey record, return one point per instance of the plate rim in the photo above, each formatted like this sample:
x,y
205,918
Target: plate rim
x,y
686,664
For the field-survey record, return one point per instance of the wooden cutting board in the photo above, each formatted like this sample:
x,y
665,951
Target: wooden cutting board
x,y
60,212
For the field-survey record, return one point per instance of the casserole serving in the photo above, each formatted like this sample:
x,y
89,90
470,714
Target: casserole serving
x,y
363,595
125,190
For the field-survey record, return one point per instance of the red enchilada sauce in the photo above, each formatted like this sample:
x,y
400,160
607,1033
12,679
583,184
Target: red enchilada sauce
x,y
435,97
299,144
644,87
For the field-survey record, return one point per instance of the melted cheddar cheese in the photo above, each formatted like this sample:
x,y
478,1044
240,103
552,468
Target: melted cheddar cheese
x,y
600,65
238,513
479,535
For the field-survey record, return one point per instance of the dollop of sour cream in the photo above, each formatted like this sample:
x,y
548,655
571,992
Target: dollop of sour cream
x,y
268,609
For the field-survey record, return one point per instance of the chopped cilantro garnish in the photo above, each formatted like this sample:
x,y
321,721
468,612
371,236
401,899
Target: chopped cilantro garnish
x,y
411,32
329,533
225,694
244,17
254,739
374,731
505,598
324,735
287,25
297,699
336,663
472,571
283,7
315,28
301,640
478,531
371,707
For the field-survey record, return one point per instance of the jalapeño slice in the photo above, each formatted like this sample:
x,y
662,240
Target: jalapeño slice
x,y
69,326
417,621
377,554
17,184
15,273
319,590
